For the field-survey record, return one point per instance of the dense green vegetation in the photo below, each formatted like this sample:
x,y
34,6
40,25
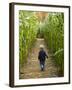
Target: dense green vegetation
x,y
53,29
28,26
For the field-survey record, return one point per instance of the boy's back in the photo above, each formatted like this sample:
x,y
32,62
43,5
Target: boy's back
x,y
42,55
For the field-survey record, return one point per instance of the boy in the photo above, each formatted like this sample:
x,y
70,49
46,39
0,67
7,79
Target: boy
x,y
42,56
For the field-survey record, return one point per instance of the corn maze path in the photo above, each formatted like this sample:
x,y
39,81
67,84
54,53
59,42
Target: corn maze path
x,y
32,68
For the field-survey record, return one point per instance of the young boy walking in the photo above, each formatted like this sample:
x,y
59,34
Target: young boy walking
x,y
42,57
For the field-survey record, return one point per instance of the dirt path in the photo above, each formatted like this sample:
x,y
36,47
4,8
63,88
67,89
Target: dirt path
x,y
32,68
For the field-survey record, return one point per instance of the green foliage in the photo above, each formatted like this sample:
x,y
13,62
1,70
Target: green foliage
x,y
28,25
52,30
54,36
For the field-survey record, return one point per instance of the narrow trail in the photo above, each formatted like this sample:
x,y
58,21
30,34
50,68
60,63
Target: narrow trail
x,y
32,68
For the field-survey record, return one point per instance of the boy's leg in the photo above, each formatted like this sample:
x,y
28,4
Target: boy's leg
x,y
44,64
41,65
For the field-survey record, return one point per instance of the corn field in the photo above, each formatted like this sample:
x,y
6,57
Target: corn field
x,y
28,25
53,29
50,27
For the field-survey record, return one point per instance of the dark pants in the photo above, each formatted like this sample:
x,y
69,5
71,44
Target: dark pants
x,y
42,64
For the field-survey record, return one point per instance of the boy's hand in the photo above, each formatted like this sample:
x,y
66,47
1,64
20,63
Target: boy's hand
x,y
47,56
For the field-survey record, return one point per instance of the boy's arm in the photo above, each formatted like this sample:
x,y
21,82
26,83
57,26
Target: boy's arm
x,y
46,55
38,56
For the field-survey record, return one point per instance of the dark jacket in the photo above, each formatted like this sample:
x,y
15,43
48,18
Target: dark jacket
x,y
42,55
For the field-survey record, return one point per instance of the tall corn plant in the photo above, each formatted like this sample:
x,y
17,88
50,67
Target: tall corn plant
x,y
54,36
28,25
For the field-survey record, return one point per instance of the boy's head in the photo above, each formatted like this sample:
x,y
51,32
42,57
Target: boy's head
x,y
41,47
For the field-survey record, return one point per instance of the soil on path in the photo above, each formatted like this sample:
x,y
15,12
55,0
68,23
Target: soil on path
x,y
32,68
